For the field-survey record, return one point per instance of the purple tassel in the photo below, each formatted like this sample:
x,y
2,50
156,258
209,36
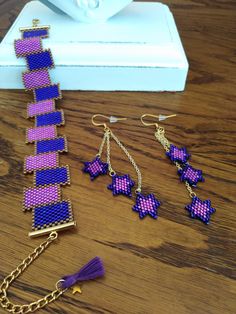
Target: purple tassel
x,y
93,269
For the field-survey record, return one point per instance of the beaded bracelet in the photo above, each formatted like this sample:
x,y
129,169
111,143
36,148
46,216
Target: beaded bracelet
x,y
50,213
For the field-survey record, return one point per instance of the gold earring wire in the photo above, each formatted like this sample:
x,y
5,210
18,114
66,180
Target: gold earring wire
x,y
160,117
111,119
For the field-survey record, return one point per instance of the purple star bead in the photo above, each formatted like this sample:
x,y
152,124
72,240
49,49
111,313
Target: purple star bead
x,y
121,185
95,167
146,205
200,209
191,175
178,154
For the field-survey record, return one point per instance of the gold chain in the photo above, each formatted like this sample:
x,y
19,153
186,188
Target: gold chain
x,y
111,170
102,145
160,136
138,190
190,190
32,307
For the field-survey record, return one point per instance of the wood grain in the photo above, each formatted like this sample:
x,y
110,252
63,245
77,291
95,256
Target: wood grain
x,y
173,265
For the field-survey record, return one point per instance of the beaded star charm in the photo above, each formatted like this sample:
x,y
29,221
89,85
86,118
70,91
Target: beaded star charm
x,y
188,174
121,184
200,209
178,154
95,167
146,205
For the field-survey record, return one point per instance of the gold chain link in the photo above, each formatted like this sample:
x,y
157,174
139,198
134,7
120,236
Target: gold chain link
x,y
160,136
138,190
32,307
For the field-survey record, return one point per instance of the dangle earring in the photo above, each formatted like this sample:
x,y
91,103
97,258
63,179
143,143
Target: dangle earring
x,y
189,175
121,184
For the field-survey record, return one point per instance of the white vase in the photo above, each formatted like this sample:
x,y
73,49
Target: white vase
x,y
90,11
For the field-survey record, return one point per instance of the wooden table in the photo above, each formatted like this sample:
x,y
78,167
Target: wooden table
x,y
174,264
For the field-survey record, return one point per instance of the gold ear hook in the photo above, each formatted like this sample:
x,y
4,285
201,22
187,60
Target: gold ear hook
x,y
148,115
160,117
99,124
111,119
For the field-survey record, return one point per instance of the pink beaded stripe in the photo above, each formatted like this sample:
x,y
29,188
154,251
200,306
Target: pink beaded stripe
x,y
41,133
41,161
24,47
36,79
41,196
41,107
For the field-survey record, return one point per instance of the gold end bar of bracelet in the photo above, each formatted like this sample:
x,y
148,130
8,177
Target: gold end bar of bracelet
x,y
41,232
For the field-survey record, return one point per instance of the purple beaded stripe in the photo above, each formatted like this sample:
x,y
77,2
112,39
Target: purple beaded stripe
x,y
53,214
50,118
41,161
41,133
57,175
40,60
58,144
36,196
35,79
47,92
39,32
41,107
23,47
